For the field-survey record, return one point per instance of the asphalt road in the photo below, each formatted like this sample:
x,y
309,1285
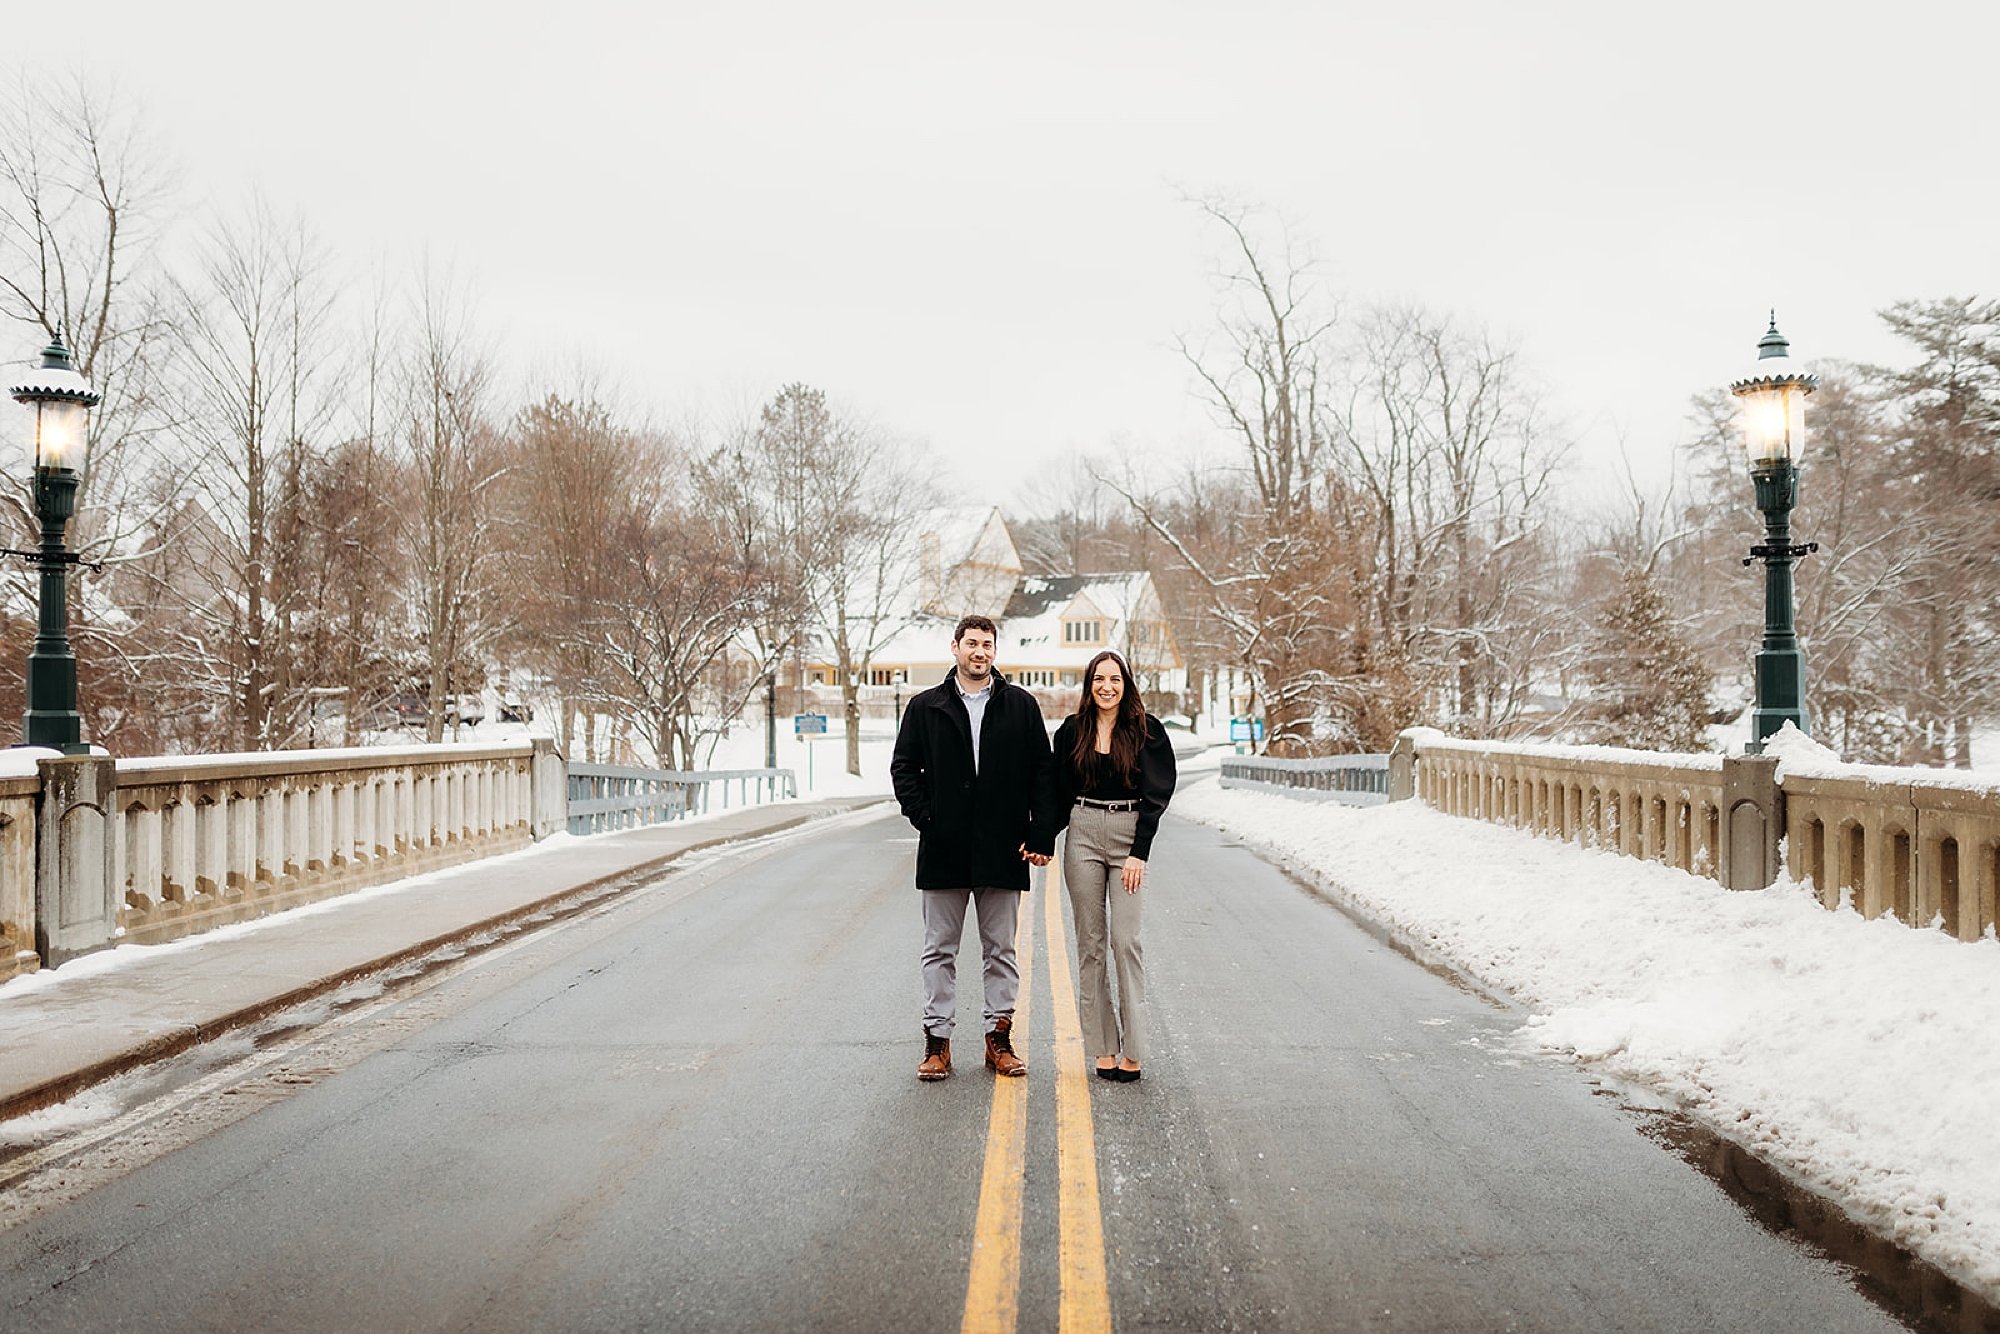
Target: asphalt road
x,y
696,1108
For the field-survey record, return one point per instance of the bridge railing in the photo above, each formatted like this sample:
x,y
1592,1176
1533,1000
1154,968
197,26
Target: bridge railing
x,y
1355,780
206,840
1666,808
604,797
94,850
1923,844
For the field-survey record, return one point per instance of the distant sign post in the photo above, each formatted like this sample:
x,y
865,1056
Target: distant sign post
x,y
806,726
1245,729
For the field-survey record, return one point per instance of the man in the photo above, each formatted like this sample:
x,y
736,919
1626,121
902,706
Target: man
x,y
972,772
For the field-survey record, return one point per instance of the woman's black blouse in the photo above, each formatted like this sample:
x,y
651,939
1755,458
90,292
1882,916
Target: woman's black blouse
x,y
1153,791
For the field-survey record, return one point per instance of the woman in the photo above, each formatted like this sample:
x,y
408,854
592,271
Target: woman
x,y
1115,771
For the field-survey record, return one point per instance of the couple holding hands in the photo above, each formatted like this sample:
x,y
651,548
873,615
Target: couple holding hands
x,y
974,771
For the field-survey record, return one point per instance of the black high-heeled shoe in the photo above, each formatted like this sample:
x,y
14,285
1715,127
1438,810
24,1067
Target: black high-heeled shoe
x,y
1125,1076
1107,1072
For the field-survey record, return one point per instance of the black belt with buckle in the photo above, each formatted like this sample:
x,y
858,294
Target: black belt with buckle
x,y
1097,805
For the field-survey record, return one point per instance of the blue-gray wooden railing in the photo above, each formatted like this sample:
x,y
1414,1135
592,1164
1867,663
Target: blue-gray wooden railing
x,y
603,797
1357,780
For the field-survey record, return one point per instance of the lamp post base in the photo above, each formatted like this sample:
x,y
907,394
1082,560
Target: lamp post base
x,y
1781,695
52,719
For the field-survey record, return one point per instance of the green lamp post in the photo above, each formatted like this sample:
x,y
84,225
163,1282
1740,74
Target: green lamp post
x,y
58,401
1774,431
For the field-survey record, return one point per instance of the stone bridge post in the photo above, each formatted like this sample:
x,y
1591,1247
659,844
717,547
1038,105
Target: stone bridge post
x,y
76,882
1753,821
548,777
1403,767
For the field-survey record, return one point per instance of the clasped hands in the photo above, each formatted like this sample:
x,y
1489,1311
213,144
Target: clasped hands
x,y
1131,876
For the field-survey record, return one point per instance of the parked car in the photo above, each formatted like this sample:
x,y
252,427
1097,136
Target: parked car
x,y
467,709
515,711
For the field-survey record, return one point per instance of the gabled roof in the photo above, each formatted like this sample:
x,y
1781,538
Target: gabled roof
x,y
966,534
1039,593
1031,633
1113,595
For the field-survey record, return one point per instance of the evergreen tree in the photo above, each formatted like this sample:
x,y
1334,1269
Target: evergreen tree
x,y
1650,684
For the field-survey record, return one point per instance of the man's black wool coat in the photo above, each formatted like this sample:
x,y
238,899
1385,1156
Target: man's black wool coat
x,y
970,826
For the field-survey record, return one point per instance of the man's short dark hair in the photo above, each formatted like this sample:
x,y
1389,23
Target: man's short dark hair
x,y
974,623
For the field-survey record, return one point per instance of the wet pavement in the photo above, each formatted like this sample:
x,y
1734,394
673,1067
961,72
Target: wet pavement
x,y
66,1029
694,1105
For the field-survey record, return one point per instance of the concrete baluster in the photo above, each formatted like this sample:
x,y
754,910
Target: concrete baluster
x,y
409,820
142,857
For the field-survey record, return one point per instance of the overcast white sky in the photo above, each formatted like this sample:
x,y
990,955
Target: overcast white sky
x,y
966,221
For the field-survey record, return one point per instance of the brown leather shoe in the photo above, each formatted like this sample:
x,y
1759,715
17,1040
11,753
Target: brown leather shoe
x,y
937,1058
1000,1057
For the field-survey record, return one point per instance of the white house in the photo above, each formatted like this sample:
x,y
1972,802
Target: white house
x,y
1050,628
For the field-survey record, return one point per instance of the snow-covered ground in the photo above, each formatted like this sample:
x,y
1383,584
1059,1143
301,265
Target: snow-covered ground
x,y
1863,1056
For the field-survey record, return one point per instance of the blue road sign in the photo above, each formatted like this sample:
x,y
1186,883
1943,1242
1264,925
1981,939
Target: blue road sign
x,y
808,724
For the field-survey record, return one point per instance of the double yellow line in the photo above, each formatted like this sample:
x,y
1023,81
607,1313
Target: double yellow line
x,y
993,1289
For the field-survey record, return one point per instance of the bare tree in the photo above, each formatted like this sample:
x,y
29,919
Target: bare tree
x,y
362,636
843,504
451,451
1281,595
570,464
253,389
1442,439
753,491
1073,527
685,593
83,191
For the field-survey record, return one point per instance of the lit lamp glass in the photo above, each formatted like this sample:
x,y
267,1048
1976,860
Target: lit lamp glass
x,y
57,401
1773,396
58,433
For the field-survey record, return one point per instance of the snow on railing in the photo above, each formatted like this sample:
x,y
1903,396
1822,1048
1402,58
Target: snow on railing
x,y
1922,845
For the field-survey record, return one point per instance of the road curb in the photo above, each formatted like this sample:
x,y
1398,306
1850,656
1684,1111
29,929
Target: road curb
x,y
163,1046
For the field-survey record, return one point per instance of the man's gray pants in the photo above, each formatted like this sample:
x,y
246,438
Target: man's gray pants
x,y
998,911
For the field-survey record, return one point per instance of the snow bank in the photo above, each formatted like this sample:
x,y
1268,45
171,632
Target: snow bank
x,y
1861,1055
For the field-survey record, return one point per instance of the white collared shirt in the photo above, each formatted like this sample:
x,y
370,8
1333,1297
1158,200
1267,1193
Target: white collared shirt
x,y
975,710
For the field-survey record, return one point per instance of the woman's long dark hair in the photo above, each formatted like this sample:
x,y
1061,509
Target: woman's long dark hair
x,y
1128,729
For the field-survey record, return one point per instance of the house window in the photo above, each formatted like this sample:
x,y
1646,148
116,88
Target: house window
x,y
888,676
1038,678
1072,678
1083,632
